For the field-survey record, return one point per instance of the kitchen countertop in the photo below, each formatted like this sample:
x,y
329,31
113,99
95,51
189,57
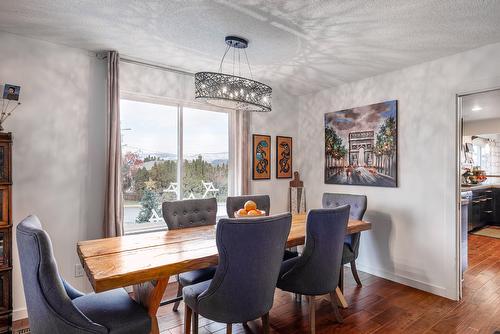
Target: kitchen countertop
x,y
493,182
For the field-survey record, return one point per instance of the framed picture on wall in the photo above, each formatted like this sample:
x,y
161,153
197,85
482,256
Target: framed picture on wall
x,y
11,92
284,157
361,145
261,157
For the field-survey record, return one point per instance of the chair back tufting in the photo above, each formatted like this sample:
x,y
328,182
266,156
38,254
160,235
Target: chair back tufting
x,y
190,213
357,203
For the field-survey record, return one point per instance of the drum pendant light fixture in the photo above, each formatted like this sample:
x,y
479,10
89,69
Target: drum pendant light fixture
x,y
231,90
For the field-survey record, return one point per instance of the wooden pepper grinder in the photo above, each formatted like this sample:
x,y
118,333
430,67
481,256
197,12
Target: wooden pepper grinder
x,y
297,195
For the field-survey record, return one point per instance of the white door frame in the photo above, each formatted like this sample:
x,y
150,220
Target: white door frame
x,y
458,215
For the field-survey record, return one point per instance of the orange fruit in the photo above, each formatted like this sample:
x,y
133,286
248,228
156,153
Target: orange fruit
x,y
250,205
253,213
242,212
260,212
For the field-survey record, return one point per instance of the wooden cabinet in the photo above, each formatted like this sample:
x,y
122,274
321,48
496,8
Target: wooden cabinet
x,y
5,158
5,247
5,233
4,205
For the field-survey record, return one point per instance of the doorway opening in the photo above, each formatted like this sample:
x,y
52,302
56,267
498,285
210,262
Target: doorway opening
x,y
479,190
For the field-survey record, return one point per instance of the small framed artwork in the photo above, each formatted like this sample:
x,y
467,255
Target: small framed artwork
x,y
11,92
284,157
261,157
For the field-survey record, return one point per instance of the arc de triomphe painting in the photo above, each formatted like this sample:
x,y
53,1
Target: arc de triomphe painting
x,y
361,145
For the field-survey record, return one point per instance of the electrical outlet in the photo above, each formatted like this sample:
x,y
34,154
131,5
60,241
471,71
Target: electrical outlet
x,y
78,270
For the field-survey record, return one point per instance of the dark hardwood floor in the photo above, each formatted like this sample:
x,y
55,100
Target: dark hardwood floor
x,y
382,306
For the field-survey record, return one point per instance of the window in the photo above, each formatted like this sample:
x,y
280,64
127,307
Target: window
x,y
482,156
206,155
155,138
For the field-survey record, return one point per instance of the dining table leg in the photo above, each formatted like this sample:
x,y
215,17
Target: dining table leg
x,y
341,299
149,295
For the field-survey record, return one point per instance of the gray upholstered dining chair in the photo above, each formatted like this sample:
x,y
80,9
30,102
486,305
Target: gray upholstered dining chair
x,y
234,203
54,306
351,242
316,271
250,255
184,214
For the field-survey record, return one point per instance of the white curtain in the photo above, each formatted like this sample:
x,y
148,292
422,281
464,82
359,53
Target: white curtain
x,y
113,206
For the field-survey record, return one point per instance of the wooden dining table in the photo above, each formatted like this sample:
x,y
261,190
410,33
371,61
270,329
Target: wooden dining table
x,y
146,261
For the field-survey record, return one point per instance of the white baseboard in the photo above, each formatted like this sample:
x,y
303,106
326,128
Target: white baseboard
x,y
431,288
20,313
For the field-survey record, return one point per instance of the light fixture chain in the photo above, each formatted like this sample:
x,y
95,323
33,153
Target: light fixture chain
x,y
222,60
248,63
234,52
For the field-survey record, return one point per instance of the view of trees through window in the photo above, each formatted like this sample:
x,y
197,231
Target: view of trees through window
x,y
150,159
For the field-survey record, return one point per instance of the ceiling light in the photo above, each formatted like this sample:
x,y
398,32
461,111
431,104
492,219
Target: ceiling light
x,y
227,90
476,108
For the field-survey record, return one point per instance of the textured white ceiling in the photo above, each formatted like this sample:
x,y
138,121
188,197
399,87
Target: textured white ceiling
x,y
489,102
303,46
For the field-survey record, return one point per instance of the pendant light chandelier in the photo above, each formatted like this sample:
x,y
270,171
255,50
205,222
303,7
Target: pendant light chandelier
x,y
231,90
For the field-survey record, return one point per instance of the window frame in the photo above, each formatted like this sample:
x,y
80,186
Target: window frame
x,y
180,105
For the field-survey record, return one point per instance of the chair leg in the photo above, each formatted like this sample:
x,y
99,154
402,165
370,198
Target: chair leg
x,y
265,323
341,278
312,314
179,294
355,273
187,319
336,311
229,328
195,323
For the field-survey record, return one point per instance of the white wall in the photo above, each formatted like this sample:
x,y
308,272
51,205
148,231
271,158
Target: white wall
x,y
482,127
413,236
58,152
281,121
146,81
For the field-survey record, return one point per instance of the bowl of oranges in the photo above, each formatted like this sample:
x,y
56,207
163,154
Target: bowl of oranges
x,y
249,210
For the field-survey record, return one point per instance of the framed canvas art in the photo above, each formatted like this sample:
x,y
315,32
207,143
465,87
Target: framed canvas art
x,y
284,157
361,145
11,92
261,157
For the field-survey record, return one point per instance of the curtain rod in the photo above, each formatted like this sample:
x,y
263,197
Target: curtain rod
x,y
142,63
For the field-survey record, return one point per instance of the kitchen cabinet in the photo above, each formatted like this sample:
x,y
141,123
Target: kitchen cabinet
x,y
487,207
496,192
484,208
